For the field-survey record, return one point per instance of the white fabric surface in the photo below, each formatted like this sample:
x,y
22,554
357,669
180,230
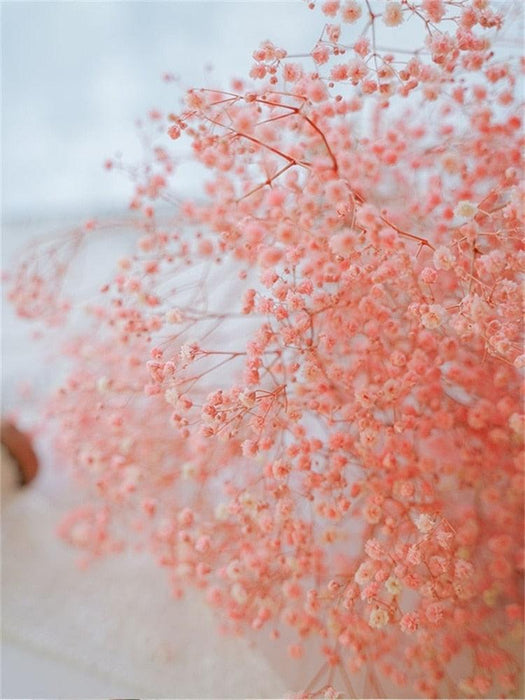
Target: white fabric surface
x,y
114,625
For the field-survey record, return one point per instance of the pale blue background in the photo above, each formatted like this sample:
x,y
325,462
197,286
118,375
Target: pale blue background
x,y
76,76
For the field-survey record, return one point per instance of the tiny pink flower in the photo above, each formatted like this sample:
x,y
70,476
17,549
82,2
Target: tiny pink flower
x,y
378,618
393,14
443,258
409,623
351,11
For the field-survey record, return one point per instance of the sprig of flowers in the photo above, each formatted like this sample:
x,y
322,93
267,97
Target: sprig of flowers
x,y
304,389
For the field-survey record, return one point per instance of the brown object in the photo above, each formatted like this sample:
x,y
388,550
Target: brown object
x,y
19,446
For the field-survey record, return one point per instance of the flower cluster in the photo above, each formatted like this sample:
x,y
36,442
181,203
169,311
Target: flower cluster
x,y
303,391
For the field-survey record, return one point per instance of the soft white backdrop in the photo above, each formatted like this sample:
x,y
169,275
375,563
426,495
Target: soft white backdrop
x,y
76,76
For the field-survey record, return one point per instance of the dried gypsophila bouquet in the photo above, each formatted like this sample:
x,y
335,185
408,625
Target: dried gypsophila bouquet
x,y
302,391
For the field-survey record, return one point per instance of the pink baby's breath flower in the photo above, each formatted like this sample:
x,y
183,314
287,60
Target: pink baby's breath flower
x,y
321,54
351,11
342,243
409,623
301,388
362,47
363,574
443,258
330,7
433,317
373,513
393,14
357,70
465,209
434,612
378,618
316,90
435,9
393,585
428,275
292,72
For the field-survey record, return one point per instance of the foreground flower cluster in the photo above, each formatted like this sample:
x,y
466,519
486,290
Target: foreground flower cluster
x,y
303,390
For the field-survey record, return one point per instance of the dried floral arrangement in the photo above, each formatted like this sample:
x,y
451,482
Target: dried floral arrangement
x,y
302,390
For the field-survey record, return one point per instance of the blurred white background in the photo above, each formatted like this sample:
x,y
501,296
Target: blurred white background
x,y
76,76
